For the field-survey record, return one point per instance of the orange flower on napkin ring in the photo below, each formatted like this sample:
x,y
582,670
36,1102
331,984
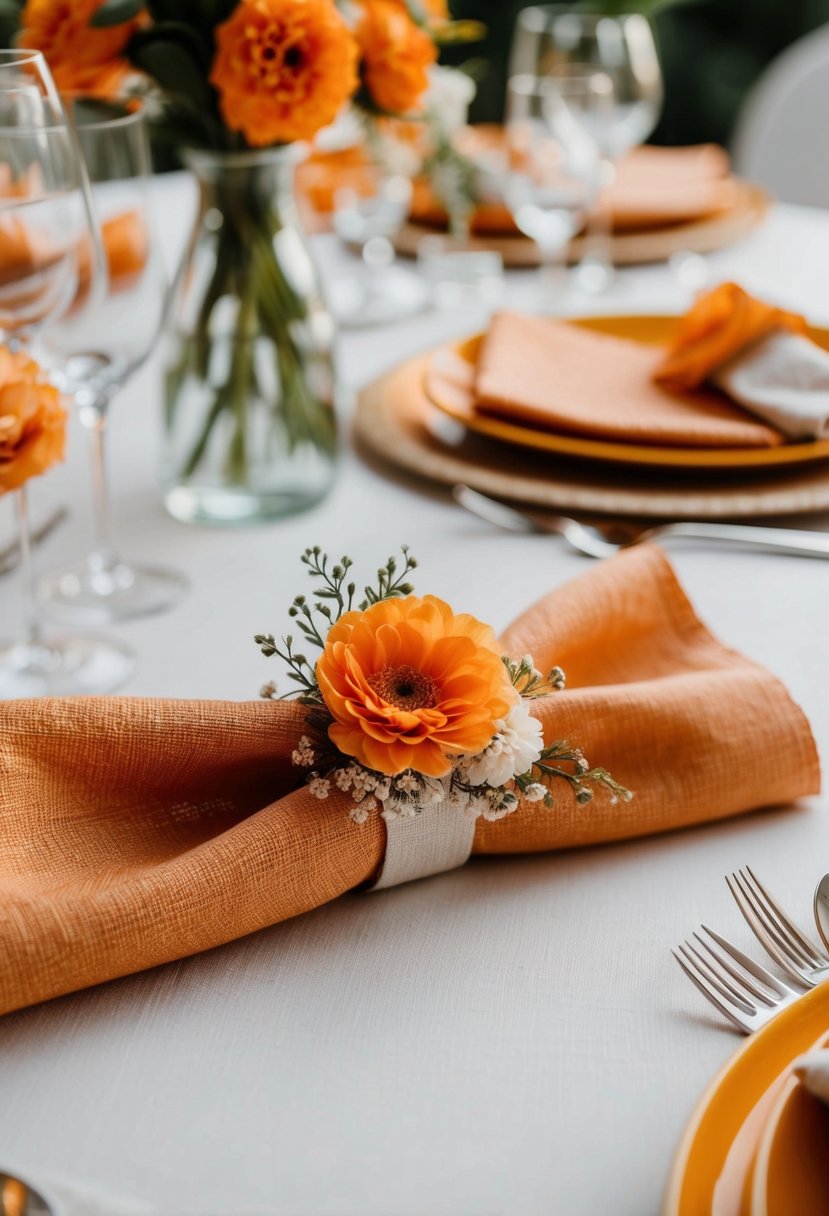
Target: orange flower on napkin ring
x,y
32,421
283,70
409,684
414,704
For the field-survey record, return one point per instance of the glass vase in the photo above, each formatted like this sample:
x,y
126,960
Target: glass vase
x,y
250,424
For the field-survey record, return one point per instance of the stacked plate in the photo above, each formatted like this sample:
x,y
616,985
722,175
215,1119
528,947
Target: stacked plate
x,y
664,201
423,417
758,1142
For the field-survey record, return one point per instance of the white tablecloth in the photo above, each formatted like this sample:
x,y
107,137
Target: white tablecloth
x,y
512,1038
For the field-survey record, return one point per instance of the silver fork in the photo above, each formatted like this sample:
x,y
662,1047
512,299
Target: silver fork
x,y
592,542
743,991
776,932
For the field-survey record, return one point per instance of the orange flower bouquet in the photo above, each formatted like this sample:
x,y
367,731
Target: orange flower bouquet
x,y
236,85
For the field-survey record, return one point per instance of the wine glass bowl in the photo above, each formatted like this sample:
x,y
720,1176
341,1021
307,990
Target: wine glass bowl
x,y
368,214
48,240
550,177
44,224
549,39
552,40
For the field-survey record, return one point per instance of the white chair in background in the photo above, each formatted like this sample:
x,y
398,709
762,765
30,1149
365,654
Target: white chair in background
x,y
782,136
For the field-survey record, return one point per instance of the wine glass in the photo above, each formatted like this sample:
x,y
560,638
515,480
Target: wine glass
x,y
551,40
45,223
95,349
368,214
551,174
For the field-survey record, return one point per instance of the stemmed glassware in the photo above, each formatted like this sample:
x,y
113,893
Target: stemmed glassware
x,y
369,213
552,40
48,243
551,175
93,350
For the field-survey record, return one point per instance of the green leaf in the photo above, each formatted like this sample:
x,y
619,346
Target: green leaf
x,y
172,66
115,12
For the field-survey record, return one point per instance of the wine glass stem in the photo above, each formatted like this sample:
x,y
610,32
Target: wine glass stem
x,y
600,220
553,272
34,631
94,419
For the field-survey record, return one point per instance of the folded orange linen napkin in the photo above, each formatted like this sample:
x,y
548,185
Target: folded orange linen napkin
x,y
134,832
758,354
654,187
720,325
564,378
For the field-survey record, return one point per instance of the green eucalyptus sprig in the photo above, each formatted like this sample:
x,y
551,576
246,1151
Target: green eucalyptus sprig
x,y
330,601
528,680
581,778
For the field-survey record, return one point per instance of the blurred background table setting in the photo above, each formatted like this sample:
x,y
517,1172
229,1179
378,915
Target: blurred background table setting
x,y
537,292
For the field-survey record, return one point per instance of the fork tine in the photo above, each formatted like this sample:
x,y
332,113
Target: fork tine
x,y
760,973
702,984
720,976
771,938
752,990
782,928
813,952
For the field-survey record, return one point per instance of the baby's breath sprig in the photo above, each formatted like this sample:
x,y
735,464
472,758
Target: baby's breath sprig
x,y
580,777
529,681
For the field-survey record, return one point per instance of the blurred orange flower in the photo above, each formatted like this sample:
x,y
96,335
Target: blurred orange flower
x,y
396,56
32,421
409,684
283,68
82,58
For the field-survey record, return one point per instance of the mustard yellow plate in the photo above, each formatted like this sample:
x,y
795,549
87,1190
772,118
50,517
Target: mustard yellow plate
x,y
712,1171
791,1171
448,382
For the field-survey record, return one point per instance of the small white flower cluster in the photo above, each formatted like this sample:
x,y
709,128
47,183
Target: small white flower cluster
x,y
304,755
481,785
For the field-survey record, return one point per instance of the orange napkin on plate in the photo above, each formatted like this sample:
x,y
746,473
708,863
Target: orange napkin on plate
x,y
561,377
757,353
654,187
134,832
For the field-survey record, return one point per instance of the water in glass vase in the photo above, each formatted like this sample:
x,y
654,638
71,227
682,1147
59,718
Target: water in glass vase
x,y
250,384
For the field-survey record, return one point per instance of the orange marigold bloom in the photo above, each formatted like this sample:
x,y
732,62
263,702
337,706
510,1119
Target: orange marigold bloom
x,y
410,684
396,56
283,68
82,59
32,421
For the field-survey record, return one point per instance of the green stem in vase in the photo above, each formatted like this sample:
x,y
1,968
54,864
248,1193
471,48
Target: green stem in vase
x,y
247,270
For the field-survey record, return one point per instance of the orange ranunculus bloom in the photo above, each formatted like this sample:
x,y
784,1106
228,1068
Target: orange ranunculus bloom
x,y
82,59
283,68
396,56
409,684
32,421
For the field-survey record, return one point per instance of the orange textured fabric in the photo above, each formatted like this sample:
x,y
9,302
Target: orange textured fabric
x,y
720,325
564,378
134,832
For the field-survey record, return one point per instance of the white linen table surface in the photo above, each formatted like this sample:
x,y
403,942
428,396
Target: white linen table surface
x,y
510,1039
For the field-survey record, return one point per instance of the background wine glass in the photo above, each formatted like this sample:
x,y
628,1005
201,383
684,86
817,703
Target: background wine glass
x,y
551,175
552,40
95,349
368,214
46,234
